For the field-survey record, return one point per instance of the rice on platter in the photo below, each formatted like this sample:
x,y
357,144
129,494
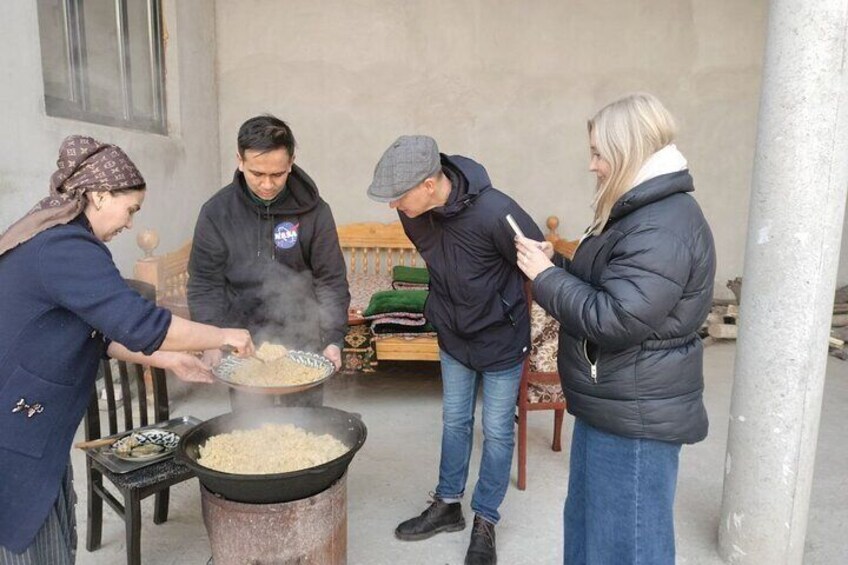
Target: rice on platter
x,y
271,351
271,449
279,372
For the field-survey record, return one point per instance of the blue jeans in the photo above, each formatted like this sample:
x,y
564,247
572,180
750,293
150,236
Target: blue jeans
x,y
500,392
620,504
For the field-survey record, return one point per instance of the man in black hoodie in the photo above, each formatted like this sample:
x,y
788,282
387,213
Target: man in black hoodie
x,y
477,304
266,255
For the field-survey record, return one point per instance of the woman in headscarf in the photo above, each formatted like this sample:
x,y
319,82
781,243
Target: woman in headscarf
x,y
630,304
64,306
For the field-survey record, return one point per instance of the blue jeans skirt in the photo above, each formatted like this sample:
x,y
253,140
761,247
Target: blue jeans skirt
x,y
620,504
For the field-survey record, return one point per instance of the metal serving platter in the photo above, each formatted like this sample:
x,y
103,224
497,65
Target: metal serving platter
x,y
107,457
225,369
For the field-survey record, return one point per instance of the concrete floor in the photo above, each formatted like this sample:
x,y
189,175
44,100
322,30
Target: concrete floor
x,y
390,478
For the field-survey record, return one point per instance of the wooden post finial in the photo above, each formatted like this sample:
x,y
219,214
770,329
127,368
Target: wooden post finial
x,y
552,223
148,241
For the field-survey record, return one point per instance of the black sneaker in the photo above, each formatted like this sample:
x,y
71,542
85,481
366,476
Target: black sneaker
x,y
439,517
481,549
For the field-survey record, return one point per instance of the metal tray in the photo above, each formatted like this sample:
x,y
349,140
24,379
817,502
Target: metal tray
x,y
224,370
108,459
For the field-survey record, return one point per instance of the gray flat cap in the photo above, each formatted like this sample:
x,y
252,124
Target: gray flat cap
x,y
406,163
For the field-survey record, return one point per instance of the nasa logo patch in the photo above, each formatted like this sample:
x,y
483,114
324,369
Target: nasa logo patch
x,y
285,235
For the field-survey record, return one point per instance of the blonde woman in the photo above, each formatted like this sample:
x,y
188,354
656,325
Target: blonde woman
x,y
630,304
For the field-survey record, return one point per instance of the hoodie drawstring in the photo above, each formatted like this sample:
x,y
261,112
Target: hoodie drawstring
x,y
259,234
273,241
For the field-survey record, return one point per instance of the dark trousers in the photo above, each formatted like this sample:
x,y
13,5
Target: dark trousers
x,y
243,401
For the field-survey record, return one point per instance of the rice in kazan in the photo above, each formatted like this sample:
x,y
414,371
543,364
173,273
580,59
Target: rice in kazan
x,y
270,449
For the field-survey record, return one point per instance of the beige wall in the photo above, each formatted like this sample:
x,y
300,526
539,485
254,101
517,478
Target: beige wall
x,y
510,84
179,168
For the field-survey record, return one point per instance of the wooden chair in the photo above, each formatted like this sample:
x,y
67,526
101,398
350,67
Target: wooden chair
x,y
154,479
539,390
540,387
565,247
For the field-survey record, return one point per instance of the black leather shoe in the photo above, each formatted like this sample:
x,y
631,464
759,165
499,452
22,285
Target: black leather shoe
x,y
439,517
481,550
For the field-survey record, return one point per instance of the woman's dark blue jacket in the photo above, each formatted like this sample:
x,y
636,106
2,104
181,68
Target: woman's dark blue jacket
x,y
61,301
630,304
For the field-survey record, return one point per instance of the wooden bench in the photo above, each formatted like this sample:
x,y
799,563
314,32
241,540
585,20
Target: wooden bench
x,y
369,247
373,248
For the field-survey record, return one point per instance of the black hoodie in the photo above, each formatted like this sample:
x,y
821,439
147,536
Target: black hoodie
x,y
275,269
477,302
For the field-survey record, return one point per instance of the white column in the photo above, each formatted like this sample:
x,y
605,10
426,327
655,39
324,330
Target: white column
x,y
794,232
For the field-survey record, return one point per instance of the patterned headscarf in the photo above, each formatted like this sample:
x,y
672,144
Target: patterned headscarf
x,y
84,165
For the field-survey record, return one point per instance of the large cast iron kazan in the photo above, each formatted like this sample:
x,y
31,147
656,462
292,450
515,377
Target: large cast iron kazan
x,y
280,487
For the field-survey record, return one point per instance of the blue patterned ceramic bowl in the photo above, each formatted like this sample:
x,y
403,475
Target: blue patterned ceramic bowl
x,y
225,369
144,445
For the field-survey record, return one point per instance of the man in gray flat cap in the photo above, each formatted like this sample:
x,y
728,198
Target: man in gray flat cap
x,y
477,304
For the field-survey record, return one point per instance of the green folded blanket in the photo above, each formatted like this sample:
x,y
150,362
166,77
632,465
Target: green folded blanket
x,y
396,301
414,275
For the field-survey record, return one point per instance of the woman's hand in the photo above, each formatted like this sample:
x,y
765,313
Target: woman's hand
x,y
212,357
186,367
239,340
533,256
334,354
546,246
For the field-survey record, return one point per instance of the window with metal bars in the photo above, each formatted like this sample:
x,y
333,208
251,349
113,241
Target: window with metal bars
x,y
103,62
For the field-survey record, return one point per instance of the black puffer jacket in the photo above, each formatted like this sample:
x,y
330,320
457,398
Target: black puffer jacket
x,y
477,302
630,304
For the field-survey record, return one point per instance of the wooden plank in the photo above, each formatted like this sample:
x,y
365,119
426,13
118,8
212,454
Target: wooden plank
x,y
402,349
374,234
839,320
723,331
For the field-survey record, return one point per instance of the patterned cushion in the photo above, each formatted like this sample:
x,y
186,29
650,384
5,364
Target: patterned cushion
x,y
544,335
542,392
363,286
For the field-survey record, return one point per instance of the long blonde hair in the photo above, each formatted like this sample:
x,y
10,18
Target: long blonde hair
x,y
626,133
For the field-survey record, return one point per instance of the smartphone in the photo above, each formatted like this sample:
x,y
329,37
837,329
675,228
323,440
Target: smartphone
x,y
514,225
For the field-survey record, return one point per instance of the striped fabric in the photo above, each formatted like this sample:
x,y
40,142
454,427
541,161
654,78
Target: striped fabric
x,y
56,541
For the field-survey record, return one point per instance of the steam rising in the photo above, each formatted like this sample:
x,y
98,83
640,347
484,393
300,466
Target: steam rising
x,y
289,313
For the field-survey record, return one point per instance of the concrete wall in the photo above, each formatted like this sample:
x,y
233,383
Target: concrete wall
x,y
508,83
179,168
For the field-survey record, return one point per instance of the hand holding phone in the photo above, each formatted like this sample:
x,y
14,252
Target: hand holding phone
x,y
514,225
